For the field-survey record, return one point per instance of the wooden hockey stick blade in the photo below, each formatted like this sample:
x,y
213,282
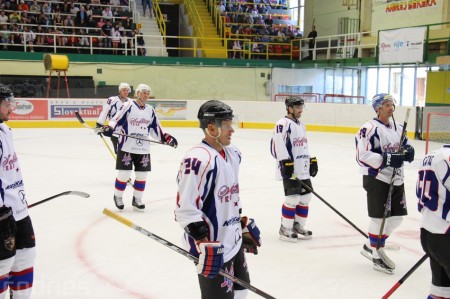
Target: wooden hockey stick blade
x,y
78,193
398,283
182,251
81,120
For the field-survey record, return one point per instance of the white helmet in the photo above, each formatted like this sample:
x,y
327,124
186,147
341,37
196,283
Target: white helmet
x,y
124,85
142,87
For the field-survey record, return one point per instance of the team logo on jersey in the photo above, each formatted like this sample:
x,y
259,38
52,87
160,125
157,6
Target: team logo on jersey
x,y
10,162
300,141
138,122
225,193
10,243
126,159
391,148
145,160
227,283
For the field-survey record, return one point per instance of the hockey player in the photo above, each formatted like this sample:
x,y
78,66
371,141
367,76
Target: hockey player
x,y
140,120
208,206
377,153
110,108
18,251
433,192
289,146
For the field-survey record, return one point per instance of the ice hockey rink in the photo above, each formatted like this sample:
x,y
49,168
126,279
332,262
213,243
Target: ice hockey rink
x,y
83,254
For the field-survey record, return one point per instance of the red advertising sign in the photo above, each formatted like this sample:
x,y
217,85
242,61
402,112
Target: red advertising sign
x,y
28,109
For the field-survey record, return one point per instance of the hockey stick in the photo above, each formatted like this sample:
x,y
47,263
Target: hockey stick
x,y
402,280
331,207
138,138
81,120
389,245
387,207
78,193
182,252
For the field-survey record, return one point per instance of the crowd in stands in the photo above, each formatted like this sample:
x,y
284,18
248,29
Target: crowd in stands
x,y
256,25
69,26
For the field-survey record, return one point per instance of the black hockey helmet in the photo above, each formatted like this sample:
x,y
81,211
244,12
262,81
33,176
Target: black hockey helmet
x,y
292,101
6,93
214,111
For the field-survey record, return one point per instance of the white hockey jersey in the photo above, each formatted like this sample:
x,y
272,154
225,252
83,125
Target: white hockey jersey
x,y
372,140
141,122
208,190
433,191
11,182
289,141
110,108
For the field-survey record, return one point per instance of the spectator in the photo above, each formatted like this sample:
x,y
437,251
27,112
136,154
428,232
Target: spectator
x,y
26,19
140,43
74,9
148,3
106,34
5,34
46,8
83,40
129,25
58,21
23,6
107,13
44,20
57,9
60,38
312,42
66,8
81,18
3,17
40,37
88,10
14,17
28,38
69,24
35,7
115,38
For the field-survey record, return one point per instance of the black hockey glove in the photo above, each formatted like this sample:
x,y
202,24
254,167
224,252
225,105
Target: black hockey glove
x,y
287,168
313,166
7,228
394,160
170,140
107,131
409,153
251,236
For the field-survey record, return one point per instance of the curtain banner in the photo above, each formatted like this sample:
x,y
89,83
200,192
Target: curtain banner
x,y
401,45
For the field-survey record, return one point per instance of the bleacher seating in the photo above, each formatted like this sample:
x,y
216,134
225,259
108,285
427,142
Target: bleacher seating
x,y
56,27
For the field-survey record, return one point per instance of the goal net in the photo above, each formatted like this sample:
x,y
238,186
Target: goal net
x,y
438,131
308,97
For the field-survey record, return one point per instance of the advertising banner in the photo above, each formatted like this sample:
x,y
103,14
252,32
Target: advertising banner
x,y
401,45
65,109
30,109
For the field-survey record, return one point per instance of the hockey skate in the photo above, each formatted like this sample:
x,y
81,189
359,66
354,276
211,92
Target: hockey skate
x,y
118,202
379,265
286,234
301,232
138,205
386,260
367,252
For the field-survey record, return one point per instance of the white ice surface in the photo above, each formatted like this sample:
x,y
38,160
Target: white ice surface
x,y
83,254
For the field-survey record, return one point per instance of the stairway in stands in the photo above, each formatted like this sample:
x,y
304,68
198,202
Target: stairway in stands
x,y
153,38
212,48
